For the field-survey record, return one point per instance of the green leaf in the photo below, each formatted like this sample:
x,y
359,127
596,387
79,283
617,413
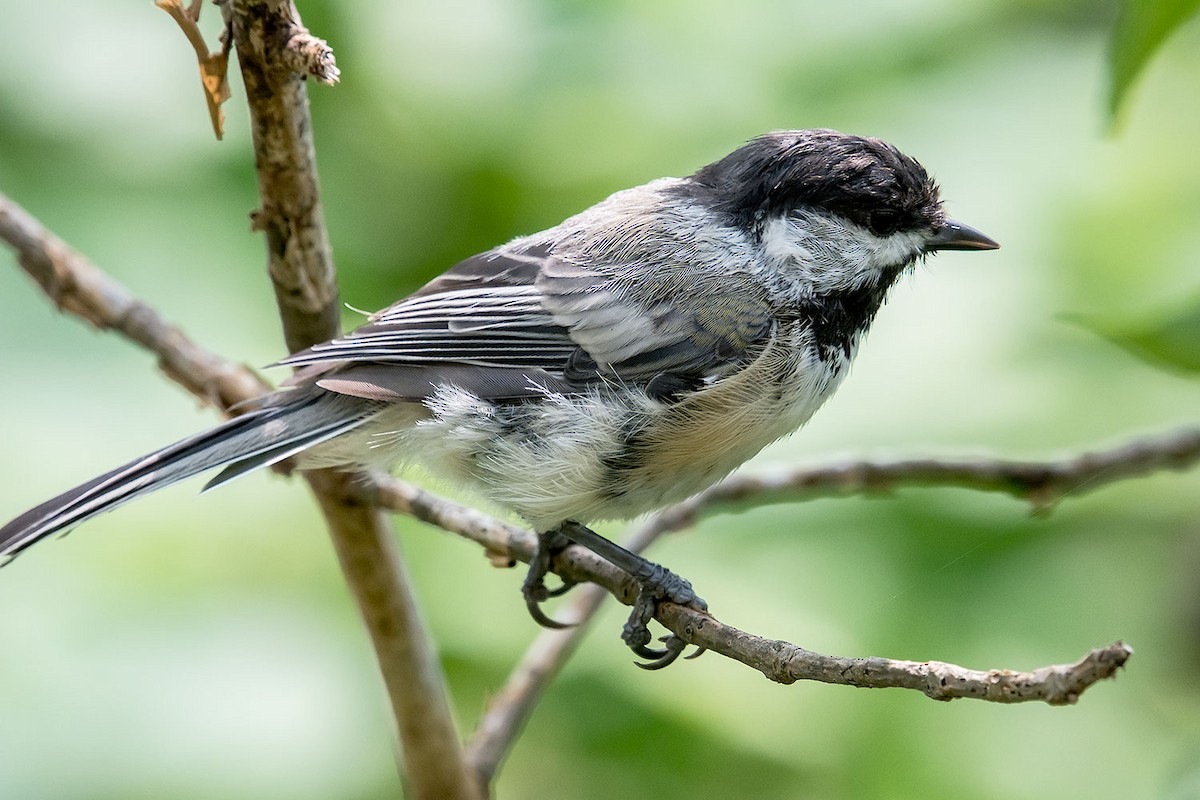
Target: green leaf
x,y
1172,341
1142,26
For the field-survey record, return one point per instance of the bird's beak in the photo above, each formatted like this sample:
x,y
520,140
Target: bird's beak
x,y
953,235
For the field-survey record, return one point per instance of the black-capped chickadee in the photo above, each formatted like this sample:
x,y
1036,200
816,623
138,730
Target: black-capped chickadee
x,y
618,362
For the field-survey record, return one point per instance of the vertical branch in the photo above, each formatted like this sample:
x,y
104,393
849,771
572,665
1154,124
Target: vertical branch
x,y
299,258
374,569
275,53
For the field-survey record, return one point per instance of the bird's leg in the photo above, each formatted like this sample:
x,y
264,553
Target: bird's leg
x,y
655,582
534,589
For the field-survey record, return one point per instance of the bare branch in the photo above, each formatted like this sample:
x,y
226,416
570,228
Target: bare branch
x,y
786,663
511,707
373,568
300,261
78,287
1042,484
275,53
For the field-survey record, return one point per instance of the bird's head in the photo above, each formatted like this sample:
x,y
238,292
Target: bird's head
x,y
834,211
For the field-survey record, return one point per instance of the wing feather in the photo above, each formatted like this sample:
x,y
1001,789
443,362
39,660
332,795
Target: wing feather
x,y
523,319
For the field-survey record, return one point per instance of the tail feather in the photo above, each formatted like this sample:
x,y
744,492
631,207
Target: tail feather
x,y
272,454
251,441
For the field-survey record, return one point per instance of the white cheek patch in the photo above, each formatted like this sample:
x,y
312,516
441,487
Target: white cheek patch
x,y
830,254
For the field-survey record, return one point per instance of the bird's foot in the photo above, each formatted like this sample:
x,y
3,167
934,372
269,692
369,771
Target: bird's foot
x,y
534,588
658,584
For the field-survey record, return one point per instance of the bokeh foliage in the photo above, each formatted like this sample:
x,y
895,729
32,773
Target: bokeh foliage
x,y
1141,29
192,647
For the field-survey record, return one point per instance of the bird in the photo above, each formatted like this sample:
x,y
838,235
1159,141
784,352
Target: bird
x,y
620,361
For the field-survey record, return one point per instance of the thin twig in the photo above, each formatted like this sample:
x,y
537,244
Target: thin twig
x,y
1040,483
786,663
510,708
78,287
275,53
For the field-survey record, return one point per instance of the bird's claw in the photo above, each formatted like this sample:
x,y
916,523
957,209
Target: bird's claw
x,y
664,657
534,588
658,584
567,585
540,617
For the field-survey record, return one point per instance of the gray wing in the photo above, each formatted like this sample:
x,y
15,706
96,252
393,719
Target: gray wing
x,y
641,322
519,321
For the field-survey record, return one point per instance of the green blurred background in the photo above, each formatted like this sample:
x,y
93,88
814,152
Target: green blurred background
x,y
191,647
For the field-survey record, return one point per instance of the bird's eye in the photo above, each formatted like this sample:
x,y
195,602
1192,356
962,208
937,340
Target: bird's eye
x,y
884,221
